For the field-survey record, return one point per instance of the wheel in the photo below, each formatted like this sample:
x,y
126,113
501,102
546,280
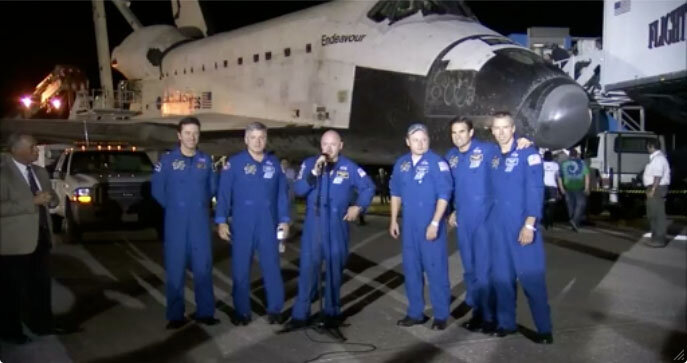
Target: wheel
x,y
71,230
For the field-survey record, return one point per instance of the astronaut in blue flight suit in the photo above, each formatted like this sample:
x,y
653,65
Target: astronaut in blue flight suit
x,y
421,182
329,182
518,248
472,201
469,163
184,183
252,197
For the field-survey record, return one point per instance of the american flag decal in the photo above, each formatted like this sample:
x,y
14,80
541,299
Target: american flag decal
x,y
206,100
621,7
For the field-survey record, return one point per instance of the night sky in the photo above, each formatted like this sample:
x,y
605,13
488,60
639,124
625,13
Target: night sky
x,y
39,35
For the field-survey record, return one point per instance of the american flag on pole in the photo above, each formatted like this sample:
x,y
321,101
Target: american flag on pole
x,y
206,100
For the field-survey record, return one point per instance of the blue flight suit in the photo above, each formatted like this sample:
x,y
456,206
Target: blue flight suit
x,y
325,233
518,191
420,186
184,187
472,201
254,194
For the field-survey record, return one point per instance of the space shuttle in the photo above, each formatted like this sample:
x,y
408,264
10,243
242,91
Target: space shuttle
x,y
365,68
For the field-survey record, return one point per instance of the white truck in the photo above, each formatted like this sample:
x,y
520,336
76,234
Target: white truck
x,y
616,162
103,186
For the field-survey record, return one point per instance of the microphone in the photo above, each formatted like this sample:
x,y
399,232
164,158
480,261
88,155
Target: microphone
x,y
322,162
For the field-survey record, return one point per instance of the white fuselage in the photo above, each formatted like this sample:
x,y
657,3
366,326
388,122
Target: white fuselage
x,y
300,68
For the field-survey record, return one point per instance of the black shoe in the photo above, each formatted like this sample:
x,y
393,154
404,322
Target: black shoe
x,y
488,328
333,321
295,324
439,324
474,325
504,332
240,320
546,338
17,339
275,319
408,321
209,321
176,324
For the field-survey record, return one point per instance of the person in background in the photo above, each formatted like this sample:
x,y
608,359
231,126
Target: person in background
x,y
656,179
573,182
383,186
290,174
551,170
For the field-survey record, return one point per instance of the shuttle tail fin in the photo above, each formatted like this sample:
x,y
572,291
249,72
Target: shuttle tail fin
x,y
189,18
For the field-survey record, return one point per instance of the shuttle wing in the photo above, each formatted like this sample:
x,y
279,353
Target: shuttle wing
x,y
221,134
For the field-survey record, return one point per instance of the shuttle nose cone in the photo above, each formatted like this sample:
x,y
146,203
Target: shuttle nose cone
x,y
564,117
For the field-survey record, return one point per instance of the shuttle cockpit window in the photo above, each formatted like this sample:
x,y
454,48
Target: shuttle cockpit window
x,y
395,10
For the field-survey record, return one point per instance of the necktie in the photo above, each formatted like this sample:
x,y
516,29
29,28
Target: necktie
x,y
43,213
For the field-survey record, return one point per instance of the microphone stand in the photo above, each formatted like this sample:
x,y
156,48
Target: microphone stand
x,y
321,324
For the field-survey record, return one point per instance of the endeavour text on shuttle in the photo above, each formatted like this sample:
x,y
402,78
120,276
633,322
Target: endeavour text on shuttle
x,y
341,38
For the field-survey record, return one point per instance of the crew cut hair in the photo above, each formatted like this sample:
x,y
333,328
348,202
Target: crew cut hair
x,y
462,120
188,121
503,114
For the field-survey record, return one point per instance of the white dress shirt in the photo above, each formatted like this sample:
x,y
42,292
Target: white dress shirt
x,y
657,166
551,169
25,173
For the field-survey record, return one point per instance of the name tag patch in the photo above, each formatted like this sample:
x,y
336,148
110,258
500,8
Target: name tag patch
x,y
476,160
268,171
420,172
510,164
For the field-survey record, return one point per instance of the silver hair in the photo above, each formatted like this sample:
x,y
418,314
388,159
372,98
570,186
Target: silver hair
x,y
417,127
255,126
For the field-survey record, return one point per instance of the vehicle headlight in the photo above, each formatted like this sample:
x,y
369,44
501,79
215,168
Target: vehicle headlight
x,y
82,195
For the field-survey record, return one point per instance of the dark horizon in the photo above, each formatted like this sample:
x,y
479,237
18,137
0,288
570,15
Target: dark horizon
x,y
43,34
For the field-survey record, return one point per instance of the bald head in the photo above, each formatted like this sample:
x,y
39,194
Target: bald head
x,y
331,144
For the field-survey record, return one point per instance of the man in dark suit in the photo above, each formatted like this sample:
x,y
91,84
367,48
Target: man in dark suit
x,y
25,242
